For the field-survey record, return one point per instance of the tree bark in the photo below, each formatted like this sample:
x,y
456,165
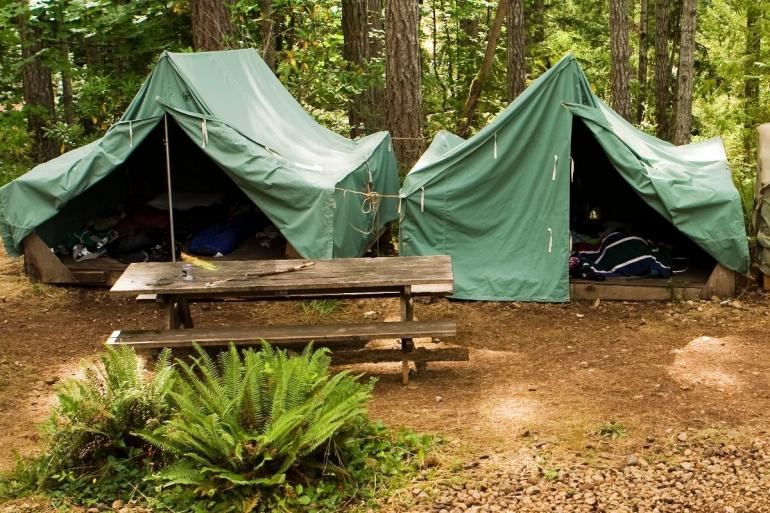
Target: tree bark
x,y
620,52
753,58
268,29
376,93
662,70
463,127
355,50
403,79
516,69
641,101
211,25
685,73
37,85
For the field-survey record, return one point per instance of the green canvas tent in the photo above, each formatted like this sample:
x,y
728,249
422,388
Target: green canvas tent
x,y
499,202
228,107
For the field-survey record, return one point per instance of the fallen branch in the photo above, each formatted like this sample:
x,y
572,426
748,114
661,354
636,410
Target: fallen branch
x,y
251,276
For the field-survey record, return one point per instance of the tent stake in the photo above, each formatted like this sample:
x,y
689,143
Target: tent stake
x,y
168,181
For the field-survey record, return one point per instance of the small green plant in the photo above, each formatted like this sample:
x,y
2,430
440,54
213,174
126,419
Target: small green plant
x,y
551,474
611,430
243,423
320,307
97,416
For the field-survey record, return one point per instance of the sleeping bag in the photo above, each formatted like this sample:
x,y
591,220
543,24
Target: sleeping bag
x,y
222,238
623,254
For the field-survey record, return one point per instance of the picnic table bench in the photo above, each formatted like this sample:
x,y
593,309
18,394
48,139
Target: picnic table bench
x,y
346,278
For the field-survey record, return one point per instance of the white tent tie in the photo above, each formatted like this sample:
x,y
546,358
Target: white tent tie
x,y
131,134
555,160
550,240
422,199
204,134
571,169
495,149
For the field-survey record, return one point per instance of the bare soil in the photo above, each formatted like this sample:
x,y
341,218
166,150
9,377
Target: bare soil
x,y
538,374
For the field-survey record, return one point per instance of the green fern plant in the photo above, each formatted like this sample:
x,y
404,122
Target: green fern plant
x,y
242,423
97,415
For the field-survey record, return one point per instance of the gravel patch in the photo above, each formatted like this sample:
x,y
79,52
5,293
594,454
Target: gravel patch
x,y
688,478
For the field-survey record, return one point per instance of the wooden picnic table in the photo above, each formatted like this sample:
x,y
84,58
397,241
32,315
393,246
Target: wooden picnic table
x,y
345,278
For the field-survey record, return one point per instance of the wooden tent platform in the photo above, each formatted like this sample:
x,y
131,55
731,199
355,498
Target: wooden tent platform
x,y
693,284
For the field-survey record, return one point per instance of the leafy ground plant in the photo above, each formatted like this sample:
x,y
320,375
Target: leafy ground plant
x,y
243,424
242,431
90,446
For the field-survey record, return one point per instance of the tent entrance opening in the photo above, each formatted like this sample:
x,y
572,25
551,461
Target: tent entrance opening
x,y
618,240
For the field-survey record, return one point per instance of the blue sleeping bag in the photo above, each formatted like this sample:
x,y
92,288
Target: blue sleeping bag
x,y
222,238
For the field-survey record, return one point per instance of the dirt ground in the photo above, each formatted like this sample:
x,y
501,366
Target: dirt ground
x,y
549,375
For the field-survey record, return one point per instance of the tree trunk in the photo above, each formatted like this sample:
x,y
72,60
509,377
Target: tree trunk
x,y
268,29
516,69
477,85
67,95
539,22
403,79
620,51
376,95
37,85
662,70
211,26
355,50
685,73
641,101
751,73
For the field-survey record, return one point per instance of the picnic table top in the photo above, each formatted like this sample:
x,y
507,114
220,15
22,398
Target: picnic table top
x,y
427,274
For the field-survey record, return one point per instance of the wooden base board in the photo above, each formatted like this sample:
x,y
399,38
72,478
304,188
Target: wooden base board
x,y
583,289
693,285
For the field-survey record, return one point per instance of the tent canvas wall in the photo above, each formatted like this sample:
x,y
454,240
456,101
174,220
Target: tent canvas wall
x,y
499,202
310,182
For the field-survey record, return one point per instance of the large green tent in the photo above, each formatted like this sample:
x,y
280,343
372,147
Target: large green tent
x,y
499,202
314,185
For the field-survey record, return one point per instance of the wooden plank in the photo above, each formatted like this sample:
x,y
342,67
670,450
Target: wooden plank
x,y
721,283
42,264
419,355
147,298
299,335
616,292
329,276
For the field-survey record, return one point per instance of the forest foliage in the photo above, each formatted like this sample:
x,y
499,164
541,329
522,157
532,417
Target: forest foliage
x,y
99,51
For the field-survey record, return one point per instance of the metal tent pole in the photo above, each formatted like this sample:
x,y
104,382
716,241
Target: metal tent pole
x,y
168,182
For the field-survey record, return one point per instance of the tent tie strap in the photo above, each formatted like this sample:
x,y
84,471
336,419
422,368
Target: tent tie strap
x,y
130,134
550,240
555,160
494,156
204,134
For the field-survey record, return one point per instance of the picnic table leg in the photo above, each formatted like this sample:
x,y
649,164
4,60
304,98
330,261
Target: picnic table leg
x,y
407,344
184,313
177,313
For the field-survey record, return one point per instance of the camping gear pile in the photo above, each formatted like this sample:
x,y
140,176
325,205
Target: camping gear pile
x,y
204,226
